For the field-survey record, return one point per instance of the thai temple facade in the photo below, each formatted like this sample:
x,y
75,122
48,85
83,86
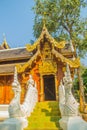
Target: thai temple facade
x,y
45,60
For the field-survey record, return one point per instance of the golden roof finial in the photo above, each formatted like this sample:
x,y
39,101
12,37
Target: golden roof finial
x,y
4,43
44,20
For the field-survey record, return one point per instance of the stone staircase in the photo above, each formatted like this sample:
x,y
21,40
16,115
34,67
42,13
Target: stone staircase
x,y
45,116
4,112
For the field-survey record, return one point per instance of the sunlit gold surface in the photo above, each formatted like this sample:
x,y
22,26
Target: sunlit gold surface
x,y
73,63
49,37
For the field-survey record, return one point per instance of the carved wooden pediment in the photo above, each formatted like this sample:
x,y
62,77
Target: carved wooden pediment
x,y
45,34
47,67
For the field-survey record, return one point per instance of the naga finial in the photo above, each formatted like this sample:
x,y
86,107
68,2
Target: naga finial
x,y
15,74
68,73
16,84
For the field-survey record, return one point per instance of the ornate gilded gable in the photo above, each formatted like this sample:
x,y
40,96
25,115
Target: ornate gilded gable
x,y
46,51
45,34
5,44
47,48
47,67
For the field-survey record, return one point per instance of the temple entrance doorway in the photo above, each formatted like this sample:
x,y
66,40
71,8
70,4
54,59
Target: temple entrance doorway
x,y
49,87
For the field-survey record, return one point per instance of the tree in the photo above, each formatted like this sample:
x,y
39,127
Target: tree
x,y
85,82
63,20
76,82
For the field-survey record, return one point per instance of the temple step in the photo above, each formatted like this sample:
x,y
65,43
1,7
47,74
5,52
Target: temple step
x,y
45,116
4,112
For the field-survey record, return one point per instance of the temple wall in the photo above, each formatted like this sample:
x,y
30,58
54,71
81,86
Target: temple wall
x,y
6,93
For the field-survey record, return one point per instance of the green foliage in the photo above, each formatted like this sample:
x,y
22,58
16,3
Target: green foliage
x,y
76,91
85,81
63,20
76,82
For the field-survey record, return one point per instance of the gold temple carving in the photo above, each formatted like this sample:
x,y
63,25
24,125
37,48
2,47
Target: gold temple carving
x,y
45,60
73,63
47,67
49,38
21,68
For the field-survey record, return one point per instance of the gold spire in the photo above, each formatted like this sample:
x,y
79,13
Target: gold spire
x,y
44,19
4,43
48,36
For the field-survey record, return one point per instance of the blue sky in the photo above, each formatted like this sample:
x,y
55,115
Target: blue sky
x,y
16,22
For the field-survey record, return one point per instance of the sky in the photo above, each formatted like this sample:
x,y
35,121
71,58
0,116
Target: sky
x,y
17,20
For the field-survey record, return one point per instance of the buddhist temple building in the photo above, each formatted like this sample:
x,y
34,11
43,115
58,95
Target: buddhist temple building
x,y
45,59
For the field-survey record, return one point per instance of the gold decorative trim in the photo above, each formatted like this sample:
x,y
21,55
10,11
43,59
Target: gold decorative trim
x,y
34,46
21,68
73,63
5,45
49,37
47,67
31,47
60,44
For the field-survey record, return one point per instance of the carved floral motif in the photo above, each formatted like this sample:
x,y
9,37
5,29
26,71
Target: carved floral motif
x,y
49,37
48,67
